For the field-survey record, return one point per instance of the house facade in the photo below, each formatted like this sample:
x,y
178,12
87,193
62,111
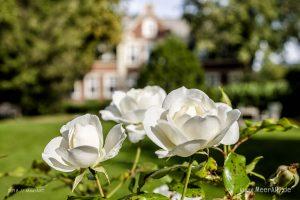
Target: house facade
x,y
119,71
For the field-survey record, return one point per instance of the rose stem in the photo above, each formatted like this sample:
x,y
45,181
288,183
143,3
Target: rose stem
x,y
99,185
187,178
111,193
97,182
132,171
136,160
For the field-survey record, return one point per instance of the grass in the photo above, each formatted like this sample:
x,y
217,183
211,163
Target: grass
x,y
23,140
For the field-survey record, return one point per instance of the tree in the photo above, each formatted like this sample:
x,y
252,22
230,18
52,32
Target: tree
x,y
46,45
171,65
235,29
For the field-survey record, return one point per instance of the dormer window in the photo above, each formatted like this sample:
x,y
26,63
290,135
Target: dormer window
x,y
149,28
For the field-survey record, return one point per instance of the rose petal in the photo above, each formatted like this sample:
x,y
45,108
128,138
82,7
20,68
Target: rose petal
x,y
114,141
117,98
189,148
202,128
111,112
135,132
152,115
232,135
171,132
53,159
232,117
84,136
82,157
127,104
83,120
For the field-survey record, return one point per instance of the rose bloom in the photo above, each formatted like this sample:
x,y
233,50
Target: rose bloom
x,y
189,121
130,107
81,144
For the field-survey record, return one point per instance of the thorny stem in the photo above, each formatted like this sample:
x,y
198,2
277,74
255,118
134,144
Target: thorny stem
x,y
187,178
239,143
132,171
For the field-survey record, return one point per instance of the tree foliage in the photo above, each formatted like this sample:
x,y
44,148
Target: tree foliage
x,y
46,45
236,29
172,65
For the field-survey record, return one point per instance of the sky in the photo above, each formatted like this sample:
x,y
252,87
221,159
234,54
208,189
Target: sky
x,y
163,8
173,9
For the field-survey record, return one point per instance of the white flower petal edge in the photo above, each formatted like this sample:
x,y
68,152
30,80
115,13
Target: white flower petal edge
x,y
130,107
81,144
114,141
53,159
189,121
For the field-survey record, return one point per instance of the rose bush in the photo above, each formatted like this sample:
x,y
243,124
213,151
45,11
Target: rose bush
x,y
130,107
185,123
189,121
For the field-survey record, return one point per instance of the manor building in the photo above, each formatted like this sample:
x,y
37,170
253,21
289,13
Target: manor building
x,y
119,71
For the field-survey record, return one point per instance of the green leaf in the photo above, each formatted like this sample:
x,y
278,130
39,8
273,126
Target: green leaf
x,y
157,174
77,180
146,196
224,97
102,170
132,184
251,166
26,183
234,175
83,197
208,170
191,192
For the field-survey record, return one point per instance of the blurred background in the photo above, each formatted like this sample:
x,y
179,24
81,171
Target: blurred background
x,y
61,58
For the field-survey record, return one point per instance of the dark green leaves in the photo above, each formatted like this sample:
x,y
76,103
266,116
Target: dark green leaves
x,y
40,166
234,175
268,125
157,174
191,192
28,183
208,170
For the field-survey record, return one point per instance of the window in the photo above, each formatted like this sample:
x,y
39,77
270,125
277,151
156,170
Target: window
x,y
131,80
91,87
133,53
149,28
110,85
76,94
212,79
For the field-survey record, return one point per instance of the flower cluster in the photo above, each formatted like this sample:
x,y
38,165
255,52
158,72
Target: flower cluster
x,y
181,123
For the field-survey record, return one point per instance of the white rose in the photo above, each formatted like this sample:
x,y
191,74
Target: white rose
x,y
130,108
81,144
190,121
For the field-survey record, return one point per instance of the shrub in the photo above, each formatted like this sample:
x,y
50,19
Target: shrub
x,y
172,65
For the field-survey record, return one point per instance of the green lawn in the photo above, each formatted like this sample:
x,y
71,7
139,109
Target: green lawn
x,y
23,140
